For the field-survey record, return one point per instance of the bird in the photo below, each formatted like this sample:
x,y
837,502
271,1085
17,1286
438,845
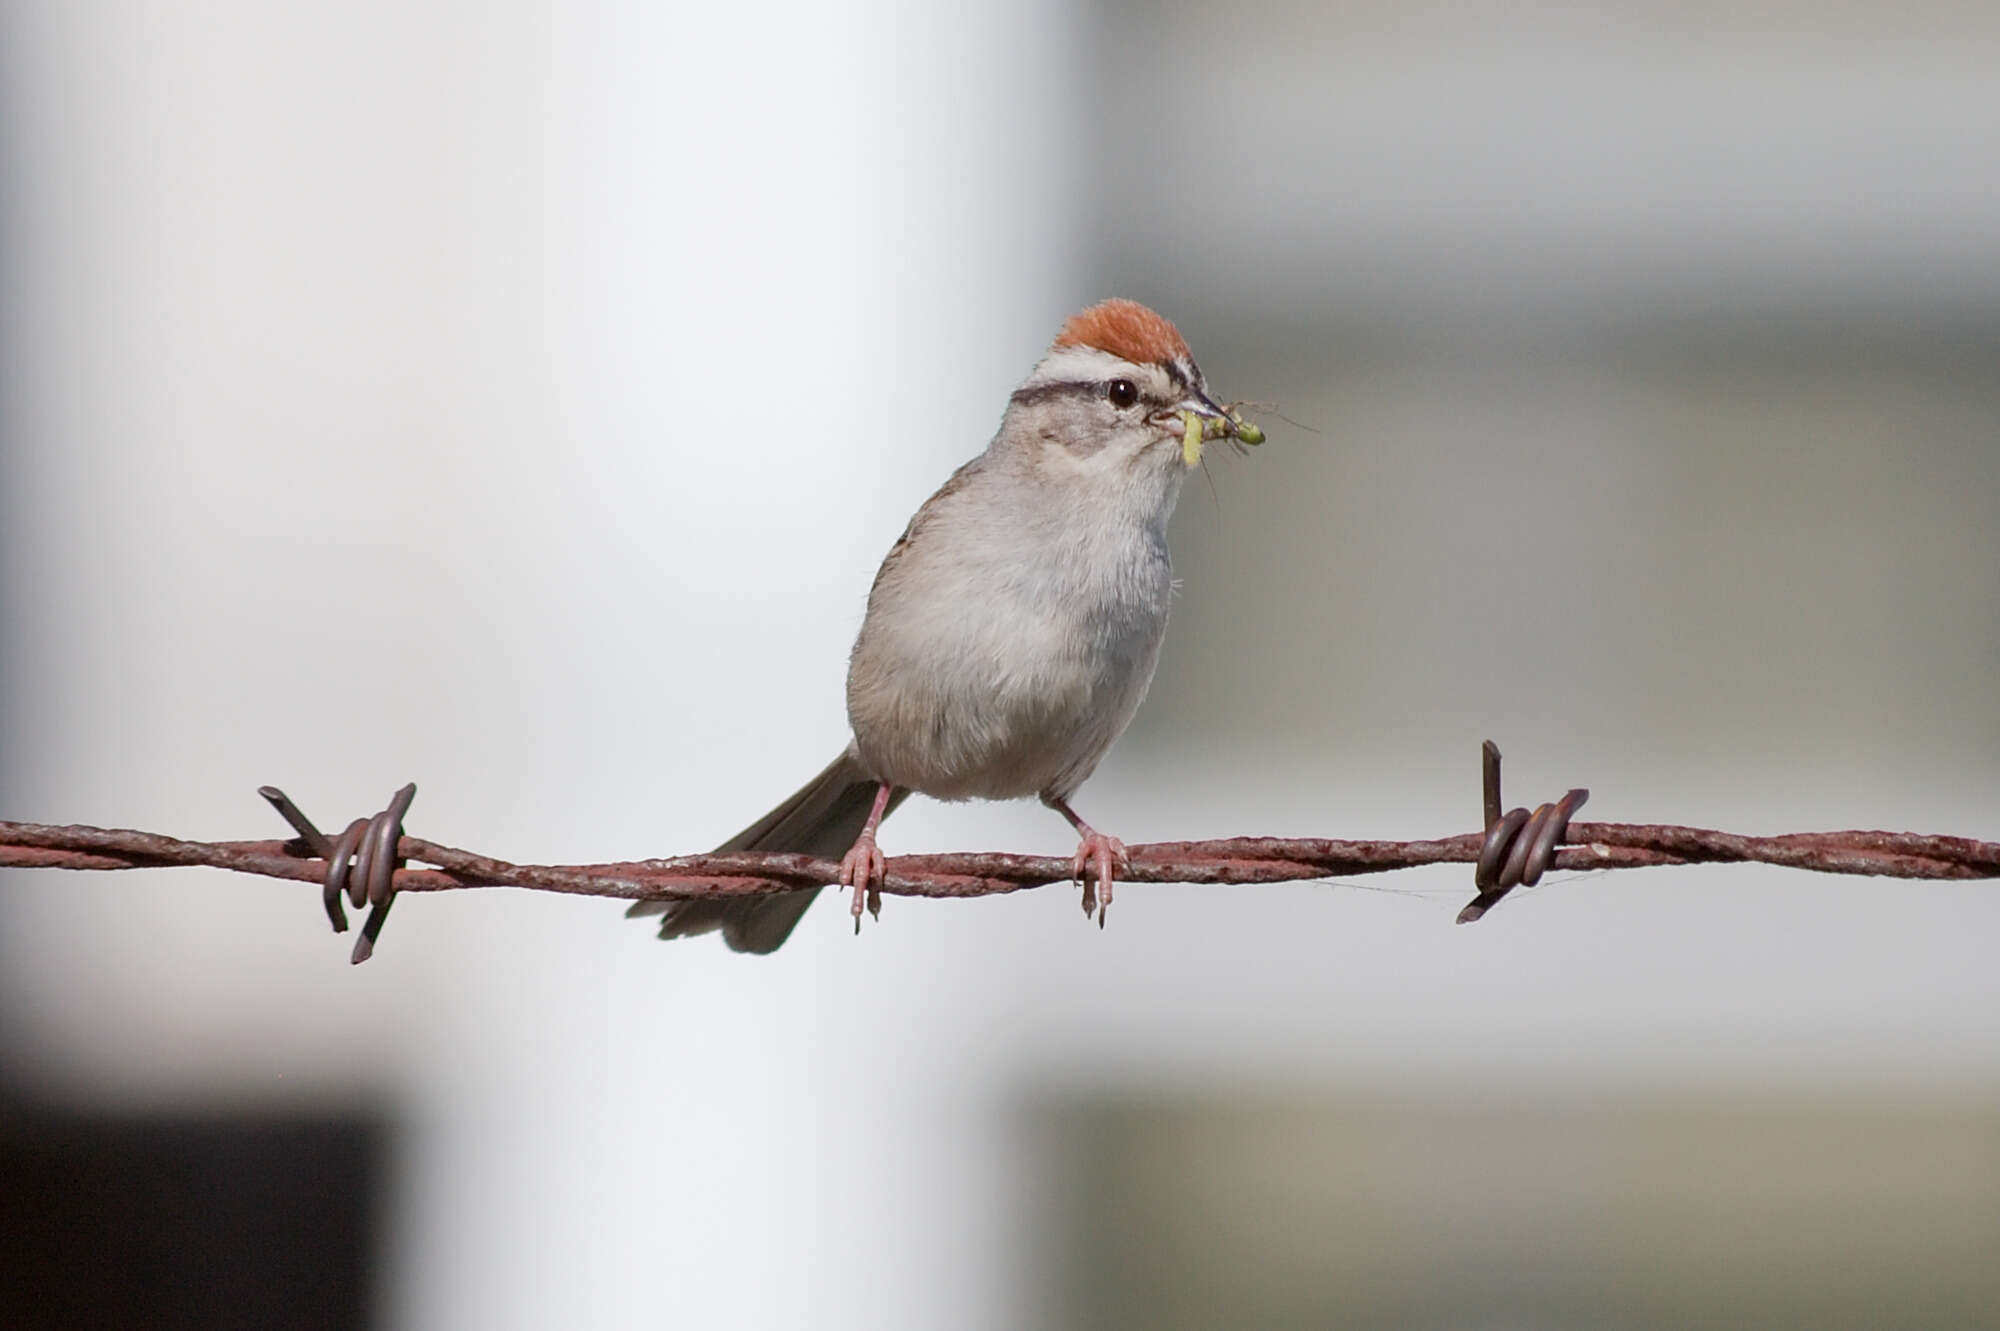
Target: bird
x,y
1013,629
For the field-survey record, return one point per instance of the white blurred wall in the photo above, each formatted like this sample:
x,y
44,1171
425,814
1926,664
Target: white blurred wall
x,y
516,398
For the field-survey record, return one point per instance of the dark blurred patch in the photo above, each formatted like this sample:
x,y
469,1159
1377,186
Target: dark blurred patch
x,y
210,1222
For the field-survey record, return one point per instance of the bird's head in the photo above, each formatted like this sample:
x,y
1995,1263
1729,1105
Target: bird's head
x,y
1118,392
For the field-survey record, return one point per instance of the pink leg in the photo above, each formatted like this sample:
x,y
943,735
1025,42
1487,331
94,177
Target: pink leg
x,y
1098,862
862,868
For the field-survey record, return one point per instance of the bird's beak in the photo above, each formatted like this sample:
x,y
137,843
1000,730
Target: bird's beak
x,y
1196,402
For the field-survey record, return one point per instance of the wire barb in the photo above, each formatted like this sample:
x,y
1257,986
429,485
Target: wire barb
x,y
362,863
1519,846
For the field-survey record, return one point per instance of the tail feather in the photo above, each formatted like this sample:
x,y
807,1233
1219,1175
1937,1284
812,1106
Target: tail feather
x,y
823,818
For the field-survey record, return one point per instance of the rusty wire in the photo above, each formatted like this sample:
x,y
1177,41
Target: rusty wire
x,y
366,863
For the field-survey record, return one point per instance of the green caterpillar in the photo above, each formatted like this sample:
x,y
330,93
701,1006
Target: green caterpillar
x,y
1197,429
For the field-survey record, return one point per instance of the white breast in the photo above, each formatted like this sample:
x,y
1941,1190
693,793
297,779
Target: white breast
x,y
1010,637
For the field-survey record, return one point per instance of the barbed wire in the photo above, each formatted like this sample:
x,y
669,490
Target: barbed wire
x,y
368,862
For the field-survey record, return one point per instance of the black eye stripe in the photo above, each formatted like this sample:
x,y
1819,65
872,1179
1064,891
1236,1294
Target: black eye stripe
x,y
1080,388
1052,392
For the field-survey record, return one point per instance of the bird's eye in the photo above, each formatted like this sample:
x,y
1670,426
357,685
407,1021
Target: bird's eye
x,y
1122,392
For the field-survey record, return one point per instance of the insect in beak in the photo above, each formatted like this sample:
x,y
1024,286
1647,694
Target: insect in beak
x,y
1199,427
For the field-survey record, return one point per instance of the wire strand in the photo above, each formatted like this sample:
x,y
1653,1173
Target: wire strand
x,y
368,861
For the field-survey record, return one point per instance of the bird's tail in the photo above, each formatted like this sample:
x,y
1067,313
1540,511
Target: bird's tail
x,y
822,819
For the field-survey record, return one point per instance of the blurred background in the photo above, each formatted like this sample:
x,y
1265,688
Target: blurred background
x,y
518,397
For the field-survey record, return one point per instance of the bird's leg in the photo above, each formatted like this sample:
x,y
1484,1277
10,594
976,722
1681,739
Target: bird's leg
x,y
862,868
1099,860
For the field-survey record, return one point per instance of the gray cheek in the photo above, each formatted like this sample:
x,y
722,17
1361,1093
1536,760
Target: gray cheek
x,y
1081,427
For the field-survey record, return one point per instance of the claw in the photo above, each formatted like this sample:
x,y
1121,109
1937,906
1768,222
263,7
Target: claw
x,y
863,869
1098,861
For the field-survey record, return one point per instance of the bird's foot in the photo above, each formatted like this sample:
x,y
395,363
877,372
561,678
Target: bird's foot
x,y
1098,862
863,869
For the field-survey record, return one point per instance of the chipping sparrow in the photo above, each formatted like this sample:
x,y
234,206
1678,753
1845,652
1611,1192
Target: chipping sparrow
x,y
1013,629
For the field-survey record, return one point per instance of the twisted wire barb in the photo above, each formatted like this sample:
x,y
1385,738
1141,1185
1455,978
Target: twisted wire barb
x,y
367,862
